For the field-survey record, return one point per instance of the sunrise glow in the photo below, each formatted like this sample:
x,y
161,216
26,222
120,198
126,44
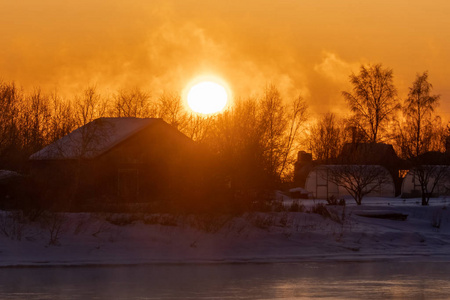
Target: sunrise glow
x,y
207,97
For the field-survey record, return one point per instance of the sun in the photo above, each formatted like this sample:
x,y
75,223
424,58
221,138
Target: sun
x,y
207,97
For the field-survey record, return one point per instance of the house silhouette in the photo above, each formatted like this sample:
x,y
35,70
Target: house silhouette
x,y
117,163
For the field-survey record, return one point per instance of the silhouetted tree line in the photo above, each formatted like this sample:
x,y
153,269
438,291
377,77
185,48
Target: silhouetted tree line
x,y
378,115
255,141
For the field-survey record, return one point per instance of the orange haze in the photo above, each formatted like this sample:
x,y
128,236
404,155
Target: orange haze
x,y
307,47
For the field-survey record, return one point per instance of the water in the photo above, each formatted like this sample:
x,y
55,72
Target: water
x,y
368,280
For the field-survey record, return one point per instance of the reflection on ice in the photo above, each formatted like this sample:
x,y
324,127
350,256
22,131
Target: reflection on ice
x,y
369,280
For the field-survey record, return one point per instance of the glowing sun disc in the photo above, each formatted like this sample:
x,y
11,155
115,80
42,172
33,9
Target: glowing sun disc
x,y
207,97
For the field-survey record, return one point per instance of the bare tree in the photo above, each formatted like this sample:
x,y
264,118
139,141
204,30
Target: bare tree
x,y
418,133
236,137
198,127
273,121
89,106
62,120
83,142
433,138
297,115
255,141
10,101
170,109
429,178
358,180
132,103
34,123
280,125
327,137
373,99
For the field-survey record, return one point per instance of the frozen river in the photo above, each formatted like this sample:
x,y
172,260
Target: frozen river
x,y
368,280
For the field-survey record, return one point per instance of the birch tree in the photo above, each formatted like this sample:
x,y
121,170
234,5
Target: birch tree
x,y
373,100
420,123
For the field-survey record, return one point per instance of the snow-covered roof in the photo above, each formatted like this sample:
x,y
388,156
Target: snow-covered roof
x,y
7,174
94,138
337,166
298,189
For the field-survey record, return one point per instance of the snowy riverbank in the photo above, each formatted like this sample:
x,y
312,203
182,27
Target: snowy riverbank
x,y
344,235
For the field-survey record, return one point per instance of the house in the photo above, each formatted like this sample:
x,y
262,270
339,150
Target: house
x,y
116,162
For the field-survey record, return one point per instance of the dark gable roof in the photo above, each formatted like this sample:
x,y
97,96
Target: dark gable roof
x,y
94,138
369,154
432,158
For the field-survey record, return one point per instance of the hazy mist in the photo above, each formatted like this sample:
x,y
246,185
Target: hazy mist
x,y
303,47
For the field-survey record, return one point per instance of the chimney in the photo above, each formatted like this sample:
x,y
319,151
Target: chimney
x,y
302,167
303,157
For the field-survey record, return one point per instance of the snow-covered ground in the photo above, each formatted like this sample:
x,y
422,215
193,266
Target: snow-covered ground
x,y
343,235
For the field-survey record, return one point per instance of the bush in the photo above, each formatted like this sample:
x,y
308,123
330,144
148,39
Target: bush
x,y
332,200
278,206
161,219
54,223
12,224
296,206
261,206
263,221
210,223
321,209
122,219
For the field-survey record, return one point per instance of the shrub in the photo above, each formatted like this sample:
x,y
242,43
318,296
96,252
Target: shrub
x,y
53,222
320,209
122,219
332,200
161,219
12,224
278,206
263,221
210,223
261,206
296,206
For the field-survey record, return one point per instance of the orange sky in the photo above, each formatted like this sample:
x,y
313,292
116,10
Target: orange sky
x,y
308,47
